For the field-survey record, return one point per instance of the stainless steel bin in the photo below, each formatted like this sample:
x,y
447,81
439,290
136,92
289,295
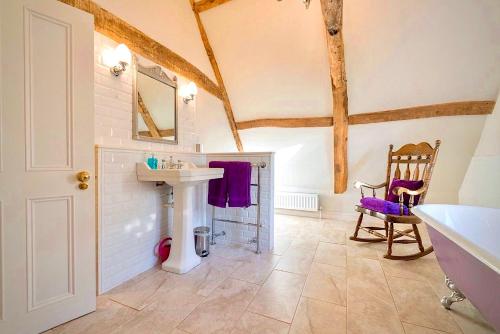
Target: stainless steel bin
x,y
201,240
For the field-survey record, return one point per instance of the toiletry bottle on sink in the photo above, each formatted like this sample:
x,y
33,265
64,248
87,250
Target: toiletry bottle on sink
x,y
152,162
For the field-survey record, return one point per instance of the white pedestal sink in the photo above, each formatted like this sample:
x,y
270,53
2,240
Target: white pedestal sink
x,y
182,257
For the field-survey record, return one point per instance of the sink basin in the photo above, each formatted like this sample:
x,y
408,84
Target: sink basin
x,y
175,176
182,256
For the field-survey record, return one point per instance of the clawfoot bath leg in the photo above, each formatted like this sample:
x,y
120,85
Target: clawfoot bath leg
x,y
456,294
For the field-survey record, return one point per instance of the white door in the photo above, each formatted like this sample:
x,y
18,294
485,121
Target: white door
x,y
47,240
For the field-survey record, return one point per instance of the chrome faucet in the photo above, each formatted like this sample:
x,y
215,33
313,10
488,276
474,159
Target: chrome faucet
x,y
172,165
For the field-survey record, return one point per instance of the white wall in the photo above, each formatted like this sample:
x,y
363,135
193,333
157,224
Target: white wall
x,y
481,185
172,23
131,218
113,119
399,53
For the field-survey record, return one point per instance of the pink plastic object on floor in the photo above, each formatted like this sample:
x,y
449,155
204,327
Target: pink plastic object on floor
x,y
162,249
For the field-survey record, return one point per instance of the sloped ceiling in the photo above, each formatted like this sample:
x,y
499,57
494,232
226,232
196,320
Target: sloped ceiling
x,y
272,56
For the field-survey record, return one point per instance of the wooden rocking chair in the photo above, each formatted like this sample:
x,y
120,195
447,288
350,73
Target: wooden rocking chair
x,y
396,209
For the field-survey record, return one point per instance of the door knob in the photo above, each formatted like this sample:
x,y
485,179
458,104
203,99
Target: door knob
x,y
83,177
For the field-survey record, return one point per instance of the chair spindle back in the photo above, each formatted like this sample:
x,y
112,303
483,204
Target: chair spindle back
x,y
412,155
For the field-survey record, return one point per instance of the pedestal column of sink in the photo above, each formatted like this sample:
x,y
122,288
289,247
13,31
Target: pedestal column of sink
x,y
182,257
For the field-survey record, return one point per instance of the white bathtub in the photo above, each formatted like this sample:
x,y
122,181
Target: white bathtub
x,y
466,240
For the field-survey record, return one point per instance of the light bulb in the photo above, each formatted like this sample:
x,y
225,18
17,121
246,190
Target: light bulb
x,y
183,91
188,92
192,89
108,58
122,54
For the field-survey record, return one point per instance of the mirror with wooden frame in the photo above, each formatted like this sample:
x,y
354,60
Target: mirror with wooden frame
x,y
155,104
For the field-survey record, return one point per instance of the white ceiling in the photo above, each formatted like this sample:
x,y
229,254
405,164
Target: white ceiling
x,y
272,56
274,62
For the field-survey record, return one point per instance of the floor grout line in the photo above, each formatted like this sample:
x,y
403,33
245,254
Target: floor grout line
x,y
236,258
426,327
392,296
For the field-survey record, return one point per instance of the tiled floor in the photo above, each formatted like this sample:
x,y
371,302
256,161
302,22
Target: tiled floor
x,y
316,281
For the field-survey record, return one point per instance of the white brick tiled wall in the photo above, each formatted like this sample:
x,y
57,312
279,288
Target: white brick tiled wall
x,y
113,109
244,233
131,216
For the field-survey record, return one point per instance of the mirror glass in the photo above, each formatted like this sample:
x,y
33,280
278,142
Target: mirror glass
x,y
155,104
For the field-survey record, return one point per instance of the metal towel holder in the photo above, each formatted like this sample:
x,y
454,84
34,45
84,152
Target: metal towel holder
x,y
258,225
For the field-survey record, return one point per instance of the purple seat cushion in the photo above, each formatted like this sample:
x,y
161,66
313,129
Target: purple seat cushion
x,y
382,206
408,184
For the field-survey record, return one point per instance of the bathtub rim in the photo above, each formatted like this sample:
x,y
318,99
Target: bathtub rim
x,y
490,260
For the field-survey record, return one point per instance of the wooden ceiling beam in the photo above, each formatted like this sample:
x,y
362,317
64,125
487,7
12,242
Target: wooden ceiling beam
x,y
435,110
305,122
203,5
332,15
121,32
464,108
225,98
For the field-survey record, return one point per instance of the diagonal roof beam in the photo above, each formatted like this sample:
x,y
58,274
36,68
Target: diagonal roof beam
x,y
332,15
204,5
218,76
147,118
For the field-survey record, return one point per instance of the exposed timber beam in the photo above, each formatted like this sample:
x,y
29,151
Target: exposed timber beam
x,y
435,110
163,133
307,122
120,31
203,5
146,117
464,108
332,15
218,76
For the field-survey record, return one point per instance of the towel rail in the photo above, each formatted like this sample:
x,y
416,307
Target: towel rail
x,y
258,225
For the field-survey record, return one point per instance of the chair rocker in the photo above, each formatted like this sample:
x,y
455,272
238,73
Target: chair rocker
x,y
400,196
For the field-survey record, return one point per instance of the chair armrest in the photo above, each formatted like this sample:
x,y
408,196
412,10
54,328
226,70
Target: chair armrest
x,y
359,184
402,190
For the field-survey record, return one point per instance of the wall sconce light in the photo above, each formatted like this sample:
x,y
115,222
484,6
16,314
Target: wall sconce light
x,y
188,92
117,59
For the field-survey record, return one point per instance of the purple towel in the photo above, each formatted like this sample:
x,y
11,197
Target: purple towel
x,y
239,178
234,187
217,188
382,206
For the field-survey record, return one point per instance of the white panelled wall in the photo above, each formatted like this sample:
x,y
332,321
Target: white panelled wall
x,y
131,214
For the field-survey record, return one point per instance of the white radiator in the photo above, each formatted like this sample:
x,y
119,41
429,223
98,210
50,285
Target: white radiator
x,y
297,201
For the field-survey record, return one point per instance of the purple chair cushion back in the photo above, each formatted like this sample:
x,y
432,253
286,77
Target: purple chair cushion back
x,y
412,185
382,206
